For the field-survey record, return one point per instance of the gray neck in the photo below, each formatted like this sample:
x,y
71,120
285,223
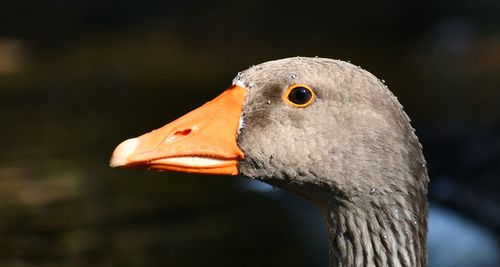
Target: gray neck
x,y
377,233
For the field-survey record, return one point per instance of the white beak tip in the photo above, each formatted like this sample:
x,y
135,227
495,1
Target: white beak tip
x,y
122,152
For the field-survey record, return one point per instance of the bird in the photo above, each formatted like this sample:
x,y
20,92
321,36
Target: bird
x,y
324,129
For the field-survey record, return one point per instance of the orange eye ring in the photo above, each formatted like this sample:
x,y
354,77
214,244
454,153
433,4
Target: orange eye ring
x,y
299,96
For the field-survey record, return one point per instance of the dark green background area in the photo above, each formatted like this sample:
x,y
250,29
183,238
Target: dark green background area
x,y
89,74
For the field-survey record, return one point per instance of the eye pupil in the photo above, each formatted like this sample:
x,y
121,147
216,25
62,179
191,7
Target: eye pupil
x,y
299,95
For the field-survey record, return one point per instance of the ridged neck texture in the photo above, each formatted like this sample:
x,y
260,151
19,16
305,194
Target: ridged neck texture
x,y
377,233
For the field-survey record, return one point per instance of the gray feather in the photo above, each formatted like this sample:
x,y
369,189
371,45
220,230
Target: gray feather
x,y
352,152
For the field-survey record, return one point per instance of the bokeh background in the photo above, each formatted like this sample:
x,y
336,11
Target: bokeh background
x,y
78,77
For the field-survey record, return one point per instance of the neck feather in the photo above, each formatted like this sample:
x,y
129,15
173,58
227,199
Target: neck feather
x,y
377,233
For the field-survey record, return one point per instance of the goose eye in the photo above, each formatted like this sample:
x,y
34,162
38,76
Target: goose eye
x,y
299,95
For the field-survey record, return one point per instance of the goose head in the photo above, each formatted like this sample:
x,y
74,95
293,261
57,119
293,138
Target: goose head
x,y
324,129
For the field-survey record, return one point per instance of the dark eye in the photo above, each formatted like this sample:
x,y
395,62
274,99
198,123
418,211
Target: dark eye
x,y
299,95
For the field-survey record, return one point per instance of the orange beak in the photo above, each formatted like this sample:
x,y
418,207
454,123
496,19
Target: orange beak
x,y
202,141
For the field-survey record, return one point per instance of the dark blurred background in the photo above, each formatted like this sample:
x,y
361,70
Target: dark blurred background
x,y
78,77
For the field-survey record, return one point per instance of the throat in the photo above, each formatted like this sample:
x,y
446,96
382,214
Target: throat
x,y
376,234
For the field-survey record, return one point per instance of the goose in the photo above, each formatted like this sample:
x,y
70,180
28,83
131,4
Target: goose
x,y
324,129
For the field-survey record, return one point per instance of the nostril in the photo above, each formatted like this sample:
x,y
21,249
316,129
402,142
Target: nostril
x,y
183,132
176,135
